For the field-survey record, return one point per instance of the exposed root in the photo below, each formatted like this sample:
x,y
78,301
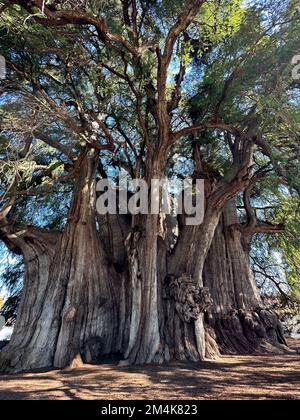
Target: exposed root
x,y
246,332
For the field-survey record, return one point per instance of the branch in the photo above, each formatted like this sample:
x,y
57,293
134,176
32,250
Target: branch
x,y
267,227
267,151
254,225
176,94
55,17
263,272
251,214
38,88
237,71
191,8
134,16
27,147
225,91
66,150
127,139
202,127
137,94
16,236
6,210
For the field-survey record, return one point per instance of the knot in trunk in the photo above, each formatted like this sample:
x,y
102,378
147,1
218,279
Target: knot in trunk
x,y
191,300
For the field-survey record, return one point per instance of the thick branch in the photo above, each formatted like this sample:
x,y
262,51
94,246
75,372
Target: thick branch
x,y
55,17
16,237
52,142
191,9
196,128
176,94
254,225
267,227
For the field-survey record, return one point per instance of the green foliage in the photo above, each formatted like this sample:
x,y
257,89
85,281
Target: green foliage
x,y
289,212
220,19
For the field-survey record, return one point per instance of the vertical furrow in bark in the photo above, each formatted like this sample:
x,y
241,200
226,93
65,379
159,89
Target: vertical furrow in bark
x,y
88,322
114,230
144,340
145,345
162,270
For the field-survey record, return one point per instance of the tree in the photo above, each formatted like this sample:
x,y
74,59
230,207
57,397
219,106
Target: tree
x,y
102,96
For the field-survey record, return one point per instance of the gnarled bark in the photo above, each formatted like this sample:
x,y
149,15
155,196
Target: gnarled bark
x,y
240,322
188,260
144,337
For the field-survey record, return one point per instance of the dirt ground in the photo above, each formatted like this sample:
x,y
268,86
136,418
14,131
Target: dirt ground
x,y
251,377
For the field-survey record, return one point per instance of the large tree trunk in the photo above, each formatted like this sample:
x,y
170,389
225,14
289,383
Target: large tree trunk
x,y
79,305
144,339
37,247
144,344
168,300
86,319
186,331
72,294
241,324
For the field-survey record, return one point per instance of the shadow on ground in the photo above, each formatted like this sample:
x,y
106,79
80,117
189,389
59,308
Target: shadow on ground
x,y
251,377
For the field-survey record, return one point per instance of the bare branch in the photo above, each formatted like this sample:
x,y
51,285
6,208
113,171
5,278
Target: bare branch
x,y
191,8
55,17
66,150
196,128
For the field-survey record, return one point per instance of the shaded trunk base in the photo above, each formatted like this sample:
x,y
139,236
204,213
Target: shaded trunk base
x,y
244,332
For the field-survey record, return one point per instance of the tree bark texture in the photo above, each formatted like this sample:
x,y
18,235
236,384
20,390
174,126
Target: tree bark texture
x,y
38,248
240,322
72,305
112,286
